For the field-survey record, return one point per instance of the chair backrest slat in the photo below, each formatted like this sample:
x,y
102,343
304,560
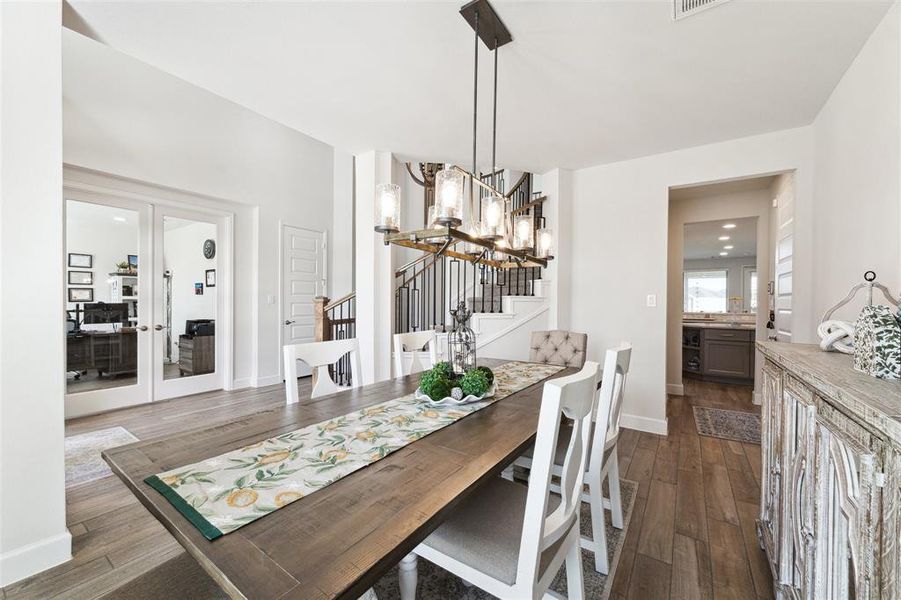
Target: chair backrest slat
x,y
571,397
319,355
610,402
414,342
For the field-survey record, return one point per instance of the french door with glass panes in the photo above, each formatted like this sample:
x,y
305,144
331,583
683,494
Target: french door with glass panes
x,y
146,287
189,347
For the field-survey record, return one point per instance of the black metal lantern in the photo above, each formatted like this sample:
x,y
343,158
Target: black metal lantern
x,y
461,341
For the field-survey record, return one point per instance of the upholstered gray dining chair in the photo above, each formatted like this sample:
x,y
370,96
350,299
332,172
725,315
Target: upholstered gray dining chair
x,y
564,348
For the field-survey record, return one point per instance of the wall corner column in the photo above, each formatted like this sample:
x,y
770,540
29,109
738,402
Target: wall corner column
x,y
373,269
33,534
557,185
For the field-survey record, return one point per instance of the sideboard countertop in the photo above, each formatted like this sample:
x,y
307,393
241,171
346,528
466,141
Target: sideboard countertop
x,y
874,402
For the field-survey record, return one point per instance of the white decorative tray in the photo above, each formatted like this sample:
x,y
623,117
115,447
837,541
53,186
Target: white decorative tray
x,y
449,401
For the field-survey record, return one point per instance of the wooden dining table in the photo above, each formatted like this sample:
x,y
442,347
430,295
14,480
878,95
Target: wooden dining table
x,y
337,542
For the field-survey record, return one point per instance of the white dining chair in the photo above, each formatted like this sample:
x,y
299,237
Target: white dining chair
x,y
603,462
319,355
508,539
414,342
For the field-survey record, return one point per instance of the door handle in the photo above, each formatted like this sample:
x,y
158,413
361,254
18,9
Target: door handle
x,y
158,327
142,328
289,322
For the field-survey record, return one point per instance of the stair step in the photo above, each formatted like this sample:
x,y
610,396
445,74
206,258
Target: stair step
x,y
476,306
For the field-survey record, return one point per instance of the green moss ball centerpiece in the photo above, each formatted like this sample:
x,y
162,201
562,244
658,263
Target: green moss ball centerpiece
x,y
440,382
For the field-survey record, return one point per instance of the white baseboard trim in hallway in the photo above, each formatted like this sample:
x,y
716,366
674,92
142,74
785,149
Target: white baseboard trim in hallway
x,y
640,423
675,389
36,557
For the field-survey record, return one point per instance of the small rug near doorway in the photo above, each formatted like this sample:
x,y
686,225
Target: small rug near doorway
x,y
182,573
83,460
728,424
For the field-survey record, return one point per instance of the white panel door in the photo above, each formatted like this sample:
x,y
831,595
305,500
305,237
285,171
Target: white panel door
x,y
303,278
785,240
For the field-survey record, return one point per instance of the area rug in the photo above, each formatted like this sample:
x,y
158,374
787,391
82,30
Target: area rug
x,y
728,424
83,460
184,574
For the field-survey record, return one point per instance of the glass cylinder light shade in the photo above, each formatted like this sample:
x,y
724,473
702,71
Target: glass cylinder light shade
x,y
449,197
523,232
387,208
493,214
545,243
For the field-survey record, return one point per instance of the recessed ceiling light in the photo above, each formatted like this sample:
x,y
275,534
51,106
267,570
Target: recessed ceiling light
x,y
119,219
723,238
729,226
724,254
728,247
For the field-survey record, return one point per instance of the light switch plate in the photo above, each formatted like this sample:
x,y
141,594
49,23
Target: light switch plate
x,y
270,299
652,300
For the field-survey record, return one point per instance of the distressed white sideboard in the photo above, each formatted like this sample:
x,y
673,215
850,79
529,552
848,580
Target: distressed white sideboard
x,y
831,485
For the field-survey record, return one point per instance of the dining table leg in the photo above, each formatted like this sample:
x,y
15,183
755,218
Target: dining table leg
x,y
407,577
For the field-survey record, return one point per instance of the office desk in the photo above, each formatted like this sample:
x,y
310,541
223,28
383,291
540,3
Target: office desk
x,y
109,352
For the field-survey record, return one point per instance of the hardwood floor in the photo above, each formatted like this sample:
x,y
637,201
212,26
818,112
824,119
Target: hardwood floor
x,y
691,534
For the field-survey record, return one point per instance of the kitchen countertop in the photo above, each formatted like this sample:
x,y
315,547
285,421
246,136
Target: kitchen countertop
x,y
745,326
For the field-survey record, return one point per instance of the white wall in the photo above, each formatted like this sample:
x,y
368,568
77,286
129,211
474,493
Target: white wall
x,y
619,236
33,534
857,190
341,245
183,257
124,117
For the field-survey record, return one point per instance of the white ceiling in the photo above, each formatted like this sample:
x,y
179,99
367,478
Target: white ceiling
x,y
582,83
701,239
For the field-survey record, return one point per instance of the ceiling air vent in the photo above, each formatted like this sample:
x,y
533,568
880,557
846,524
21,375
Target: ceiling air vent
x,y
686,8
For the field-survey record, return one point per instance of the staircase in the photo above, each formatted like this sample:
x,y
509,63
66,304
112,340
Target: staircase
x,y
507,304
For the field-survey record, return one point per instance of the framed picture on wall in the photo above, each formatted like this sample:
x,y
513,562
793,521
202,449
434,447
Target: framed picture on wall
x,y
133,261
198,289
210,277
81,261
81,294
81,278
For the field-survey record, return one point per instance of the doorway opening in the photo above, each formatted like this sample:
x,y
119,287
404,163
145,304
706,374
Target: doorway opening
x,y
724,258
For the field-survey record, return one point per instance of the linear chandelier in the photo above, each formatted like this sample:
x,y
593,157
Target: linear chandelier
x,y
498,238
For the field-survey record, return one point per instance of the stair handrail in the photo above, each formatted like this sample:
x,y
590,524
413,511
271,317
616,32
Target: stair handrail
x,y
516,186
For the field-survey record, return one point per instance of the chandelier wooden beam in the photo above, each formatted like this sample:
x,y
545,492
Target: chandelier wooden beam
x,y
438,240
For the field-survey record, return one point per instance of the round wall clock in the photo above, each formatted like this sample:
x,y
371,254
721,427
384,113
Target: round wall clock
x,y
209,248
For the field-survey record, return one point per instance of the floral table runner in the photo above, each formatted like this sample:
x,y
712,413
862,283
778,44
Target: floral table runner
x,y
224,493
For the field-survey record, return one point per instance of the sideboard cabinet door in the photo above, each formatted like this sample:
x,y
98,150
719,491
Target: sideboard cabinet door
x,y
848,509
797,534
771,448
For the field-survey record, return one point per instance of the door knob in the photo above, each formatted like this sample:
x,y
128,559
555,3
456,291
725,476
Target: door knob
x,y
289,322
142,328
158,327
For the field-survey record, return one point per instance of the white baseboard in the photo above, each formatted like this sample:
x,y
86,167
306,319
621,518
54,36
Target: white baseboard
x,y
26,561
241,383
264,381
675,389
647,424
